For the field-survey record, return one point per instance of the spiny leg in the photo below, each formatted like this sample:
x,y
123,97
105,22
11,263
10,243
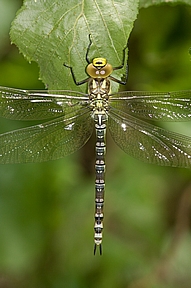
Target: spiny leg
x,y
78,83
120,67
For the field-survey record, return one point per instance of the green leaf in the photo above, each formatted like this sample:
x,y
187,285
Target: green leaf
x,y
56,32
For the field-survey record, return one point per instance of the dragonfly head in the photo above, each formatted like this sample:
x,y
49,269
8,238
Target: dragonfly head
x,y
99,68
99,62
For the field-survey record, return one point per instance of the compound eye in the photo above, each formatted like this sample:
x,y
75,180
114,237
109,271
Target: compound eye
x,y
99,62
95,72
106,70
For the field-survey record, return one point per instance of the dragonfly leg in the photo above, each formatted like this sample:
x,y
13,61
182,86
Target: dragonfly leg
x,y
88,61
123,60
74,77
120,67
88,49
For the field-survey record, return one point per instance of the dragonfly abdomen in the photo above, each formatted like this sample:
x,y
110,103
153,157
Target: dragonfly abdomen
x,y
100,127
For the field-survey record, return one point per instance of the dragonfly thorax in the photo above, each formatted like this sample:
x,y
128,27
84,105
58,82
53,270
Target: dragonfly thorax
x,y
99,94
99,68
99,88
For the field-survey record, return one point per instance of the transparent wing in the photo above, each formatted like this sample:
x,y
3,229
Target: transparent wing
x,y
147,142
36,105
163,106
51,140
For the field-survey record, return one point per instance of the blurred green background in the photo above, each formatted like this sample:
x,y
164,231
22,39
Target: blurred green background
x,y
47,210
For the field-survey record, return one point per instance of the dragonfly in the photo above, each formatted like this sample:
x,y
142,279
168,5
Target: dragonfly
x,y
68,119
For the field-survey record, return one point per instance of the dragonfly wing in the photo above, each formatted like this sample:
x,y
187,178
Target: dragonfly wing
x,y
51,140
149,143
162,106
36,105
